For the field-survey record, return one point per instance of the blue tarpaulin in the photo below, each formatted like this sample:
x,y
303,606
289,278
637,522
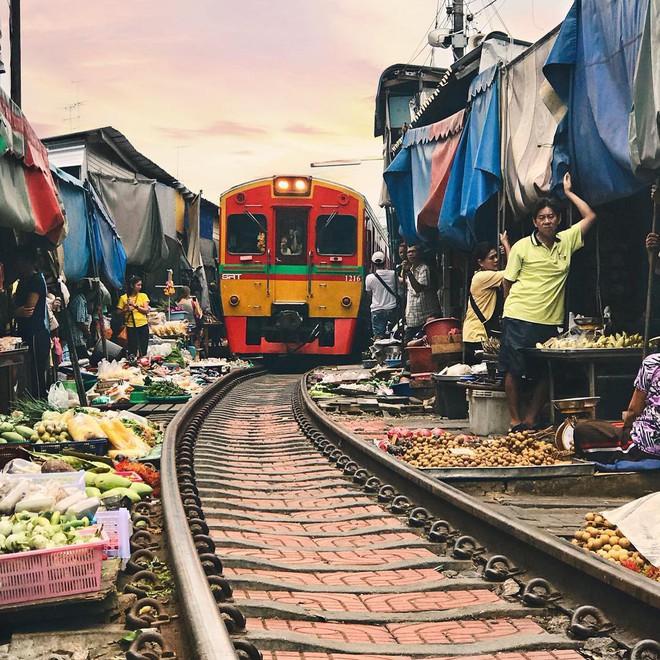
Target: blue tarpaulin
x,y
476,172
592,67
92,233
417,178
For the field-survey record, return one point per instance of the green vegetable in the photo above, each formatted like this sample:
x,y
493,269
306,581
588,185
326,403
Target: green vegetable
x,y
110,481
31,409
25,431
165,388
6,426
141,488
91,491
121,492
11,436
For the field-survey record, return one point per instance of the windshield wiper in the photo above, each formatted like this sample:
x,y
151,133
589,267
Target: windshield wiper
x,y
252,217
329,220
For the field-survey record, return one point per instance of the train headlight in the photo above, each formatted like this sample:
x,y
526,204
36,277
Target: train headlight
x,y
346,302
294,186
234,300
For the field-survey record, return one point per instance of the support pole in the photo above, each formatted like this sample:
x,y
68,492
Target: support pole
x,y
458,14
15,50
653,257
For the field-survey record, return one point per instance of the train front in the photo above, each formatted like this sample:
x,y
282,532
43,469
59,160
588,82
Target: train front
x,y
291,266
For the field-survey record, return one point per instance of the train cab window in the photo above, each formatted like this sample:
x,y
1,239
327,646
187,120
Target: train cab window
x,y
246,233
336,234
291,235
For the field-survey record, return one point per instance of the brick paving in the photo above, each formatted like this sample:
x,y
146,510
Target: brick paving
x,y
300,513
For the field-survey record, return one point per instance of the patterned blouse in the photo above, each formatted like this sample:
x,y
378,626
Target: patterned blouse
x,y
645,431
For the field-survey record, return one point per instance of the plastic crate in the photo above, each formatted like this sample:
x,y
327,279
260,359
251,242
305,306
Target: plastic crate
x,y
41,574
97,447
488,411
117,529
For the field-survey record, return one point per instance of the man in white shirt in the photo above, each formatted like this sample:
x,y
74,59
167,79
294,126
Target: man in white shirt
x,y
381,284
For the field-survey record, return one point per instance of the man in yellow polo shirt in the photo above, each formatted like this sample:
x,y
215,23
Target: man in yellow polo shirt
x,y
534,286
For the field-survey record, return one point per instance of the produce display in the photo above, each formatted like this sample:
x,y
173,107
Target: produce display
x,y
28,530
604,538
170,329
164,388
583,340
436,448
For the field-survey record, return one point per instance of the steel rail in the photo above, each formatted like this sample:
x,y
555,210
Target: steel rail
x,y
208,635
635,599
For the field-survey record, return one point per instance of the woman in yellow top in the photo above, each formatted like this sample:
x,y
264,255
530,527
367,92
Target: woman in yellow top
x,y
486,300
135,306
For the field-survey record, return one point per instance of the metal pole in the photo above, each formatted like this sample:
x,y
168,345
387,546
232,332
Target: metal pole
x,y
653,256
459,51
15,50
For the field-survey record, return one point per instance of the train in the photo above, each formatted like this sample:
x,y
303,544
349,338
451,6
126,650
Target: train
x,y
293,254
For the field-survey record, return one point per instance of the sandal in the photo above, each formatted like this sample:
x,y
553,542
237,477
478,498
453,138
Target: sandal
x,y
519,428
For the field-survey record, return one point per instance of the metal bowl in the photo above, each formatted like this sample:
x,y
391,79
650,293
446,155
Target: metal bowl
x,y
576,405
595,321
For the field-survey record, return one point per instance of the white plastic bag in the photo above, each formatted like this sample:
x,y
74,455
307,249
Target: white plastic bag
x,y
62,398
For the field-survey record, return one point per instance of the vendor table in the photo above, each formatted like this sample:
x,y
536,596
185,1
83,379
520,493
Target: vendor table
x,y
12,371
598,365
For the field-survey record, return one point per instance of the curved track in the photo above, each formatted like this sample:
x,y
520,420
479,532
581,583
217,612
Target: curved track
x,y
321,564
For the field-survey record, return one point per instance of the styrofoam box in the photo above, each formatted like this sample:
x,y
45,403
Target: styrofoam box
x,y
118,529
488,411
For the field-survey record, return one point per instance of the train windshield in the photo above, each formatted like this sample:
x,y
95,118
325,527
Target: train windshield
x,y
336,234
246,233
291,235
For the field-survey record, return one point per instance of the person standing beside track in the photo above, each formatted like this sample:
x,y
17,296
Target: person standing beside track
x,y
422,298
534,286
381,284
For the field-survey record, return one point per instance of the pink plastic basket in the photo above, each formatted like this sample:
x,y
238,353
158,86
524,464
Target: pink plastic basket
x,y
42,574
117,530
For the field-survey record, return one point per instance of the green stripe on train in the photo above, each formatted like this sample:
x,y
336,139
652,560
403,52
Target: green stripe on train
x,y
290,270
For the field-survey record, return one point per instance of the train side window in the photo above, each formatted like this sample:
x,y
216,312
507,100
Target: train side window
x,y
246,233
336,234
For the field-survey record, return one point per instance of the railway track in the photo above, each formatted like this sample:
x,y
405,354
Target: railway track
x,y
315,546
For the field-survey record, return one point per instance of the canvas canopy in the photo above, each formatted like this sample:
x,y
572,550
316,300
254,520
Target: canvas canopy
x,y
134,207
417,178
592,68
644,128
530,128
476,171
28,197
92,237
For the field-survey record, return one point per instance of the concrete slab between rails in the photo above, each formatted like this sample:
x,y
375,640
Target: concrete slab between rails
x,y
312,534
230,460
233,515
288,449
233,561
326,480
264,473
280,640
242,506
270,609
385,545
235,485
99,642
262,583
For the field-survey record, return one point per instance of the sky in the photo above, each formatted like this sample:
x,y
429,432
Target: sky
x,y
219,92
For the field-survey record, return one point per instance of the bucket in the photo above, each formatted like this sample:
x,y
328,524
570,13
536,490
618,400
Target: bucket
x,y
440,327
115,351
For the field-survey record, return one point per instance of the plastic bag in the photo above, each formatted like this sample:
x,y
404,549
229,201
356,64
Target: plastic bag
x,y
160,350
62,398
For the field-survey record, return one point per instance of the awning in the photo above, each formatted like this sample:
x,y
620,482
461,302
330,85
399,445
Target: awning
x,y
530,128
592,68
475,173
209,253
92,233
645,115
208,217
166,197
194,253
417,177
134,208
28,197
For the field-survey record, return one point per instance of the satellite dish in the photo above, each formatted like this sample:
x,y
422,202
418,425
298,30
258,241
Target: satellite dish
x,y
440,38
